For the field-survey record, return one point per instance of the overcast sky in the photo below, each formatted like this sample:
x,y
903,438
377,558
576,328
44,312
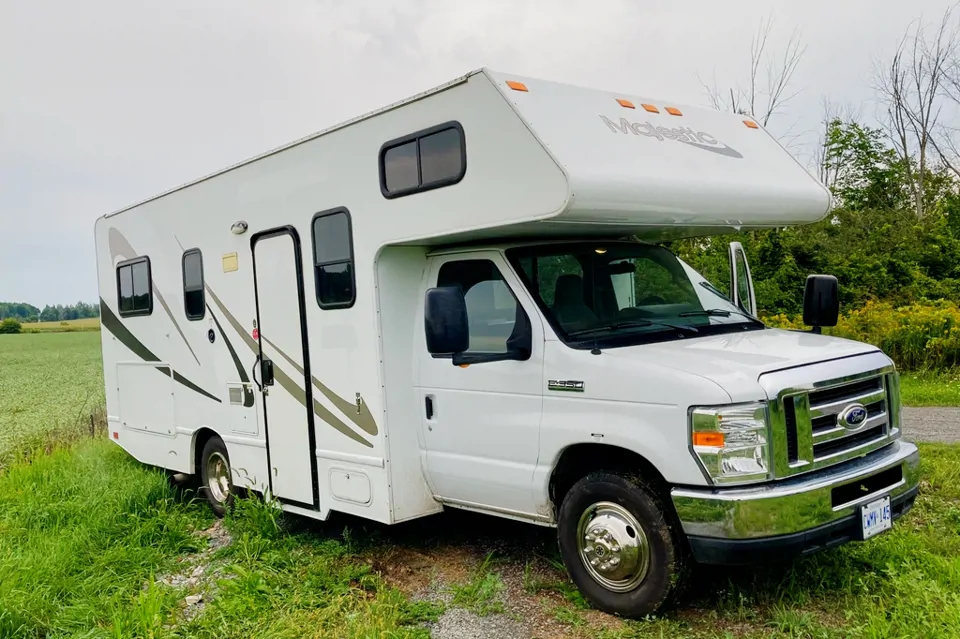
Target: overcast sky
x,y
106,102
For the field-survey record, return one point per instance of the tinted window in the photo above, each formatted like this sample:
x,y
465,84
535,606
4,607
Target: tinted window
x,y
333,259
134,293
440,158
421,161
400,170
492,310
194,303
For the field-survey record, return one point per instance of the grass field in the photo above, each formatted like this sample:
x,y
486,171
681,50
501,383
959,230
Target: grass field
x,y
67,326
95,545
49,383
930,389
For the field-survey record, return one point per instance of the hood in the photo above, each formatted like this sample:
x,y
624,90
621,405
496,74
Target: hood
x,y
736,361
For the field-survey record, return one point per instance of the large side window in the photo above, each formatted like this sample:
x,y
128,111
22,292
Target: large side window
x,y
492,309
134,288
194,299
333,259
424,160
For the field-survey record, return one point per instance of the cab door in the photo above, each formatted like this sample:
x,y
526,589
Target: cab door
x,y
481,421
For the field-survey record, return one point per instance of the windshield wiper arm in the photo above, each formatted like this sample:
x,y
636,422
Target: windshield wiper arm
x,y
715,312
631,324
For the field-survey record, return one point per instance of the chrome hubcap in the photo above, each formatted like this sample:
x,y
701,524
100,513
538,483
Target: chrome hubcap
x,y
218,477
612,546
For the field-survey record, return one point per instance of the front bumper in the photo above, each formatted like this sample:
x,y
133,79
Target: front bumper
x,y
795,516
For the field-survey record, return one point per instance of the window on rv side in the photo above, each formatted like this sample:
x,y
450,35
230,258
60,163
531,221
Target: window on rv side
x,y
194,299
333,259
492,309
134,292
422,161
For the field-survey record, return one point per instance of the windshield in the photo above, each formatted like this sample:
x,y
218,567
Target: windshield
x,y
623,293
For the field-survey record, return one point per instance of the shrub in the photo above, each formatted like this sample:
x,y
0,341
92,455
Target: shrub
x,y
10,325
920,336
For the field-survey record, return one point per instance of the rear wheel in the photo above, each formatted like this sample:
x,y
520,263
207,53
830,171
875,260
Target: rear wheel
x,y
617,544
215,476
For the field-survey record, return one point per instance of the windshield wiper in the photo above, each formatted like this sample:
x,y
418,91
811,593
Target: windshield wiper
x,y
632,324
714,312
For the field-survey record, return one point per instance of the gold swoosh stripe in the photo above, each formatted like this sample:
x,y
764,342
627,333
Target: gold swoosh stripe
x,y
364,419
285,381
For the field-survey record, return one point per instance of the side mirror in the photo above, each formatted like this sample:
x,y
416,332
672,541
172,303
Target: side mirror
x,y
821,301
445,321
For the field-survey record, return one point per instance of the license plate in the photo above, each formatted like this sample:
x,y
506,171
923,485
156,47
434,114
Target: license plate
x,y
876,517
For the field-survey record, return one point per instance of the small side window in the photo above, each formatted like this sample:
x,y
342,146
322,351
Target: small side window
x,y
333,259
134,287
422,161
194,298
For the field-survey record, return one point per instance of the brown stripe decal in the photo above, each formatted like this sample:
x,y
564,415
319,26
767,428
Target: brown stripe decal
x,y
113,325
285,381
364,420
120,246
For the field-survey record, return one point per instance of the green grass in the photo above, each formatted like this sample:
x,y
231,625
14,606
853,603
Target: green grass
x,y
81,532
85,531
481,593
930,389
49,383
66,326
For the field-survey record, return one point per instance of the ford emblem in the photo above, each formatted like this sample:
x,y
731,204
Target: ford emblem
x,y
853,417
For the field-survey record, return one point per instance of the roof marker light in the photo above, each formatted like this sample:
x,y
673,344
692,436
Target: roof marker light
x,y
650,108
517,86
673,111
625,103
751,124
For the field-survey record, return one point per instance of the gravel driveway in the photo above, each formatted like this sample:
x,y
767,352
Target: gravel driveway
x,y
931,425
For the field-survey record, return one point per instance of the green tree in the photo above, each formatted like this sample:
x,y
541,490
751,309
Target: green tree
x,y
10,325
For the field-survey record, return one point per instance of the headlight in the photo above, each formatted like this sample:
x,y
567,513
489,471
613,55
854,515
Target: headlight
x,y
731,442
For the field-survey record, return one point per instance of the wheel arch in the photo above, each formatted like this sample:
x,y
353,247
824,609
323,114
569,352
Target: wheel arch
x,y
578,460
200,439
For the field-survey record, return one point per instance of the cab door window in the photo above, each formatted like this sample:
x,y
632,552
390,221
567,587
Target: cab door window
x,y
492,310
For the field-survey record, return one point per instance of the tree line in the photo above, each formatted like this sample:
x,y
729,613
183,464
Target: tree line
x,y
29,313
894,232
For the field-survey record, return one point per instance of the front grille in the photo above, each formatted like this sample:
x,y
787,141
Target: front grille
x,y
815,435
830,435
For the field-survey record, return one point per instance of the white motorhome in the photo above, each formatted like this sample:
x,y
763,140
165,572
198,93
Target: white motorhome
x,y
458,301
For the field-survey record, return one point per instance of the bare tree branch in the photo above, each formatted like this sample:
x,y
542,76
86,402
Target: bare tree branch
x,y
767,87
912,88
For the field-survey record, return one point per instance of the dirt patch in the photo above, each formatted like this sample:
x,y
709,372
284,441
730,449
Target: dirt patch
x,y
198,573
528,599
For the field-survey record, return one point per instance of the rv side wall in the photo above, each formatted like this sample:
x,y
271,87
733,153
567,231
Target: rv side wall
x,y
170,386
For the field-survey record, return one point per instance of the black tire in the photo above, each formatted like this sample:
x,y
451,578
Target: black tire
x,y
664,561
219,497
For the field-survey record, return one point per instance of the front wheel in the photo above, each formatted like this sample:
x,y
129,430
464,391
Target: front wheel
x,y
617,544
215,476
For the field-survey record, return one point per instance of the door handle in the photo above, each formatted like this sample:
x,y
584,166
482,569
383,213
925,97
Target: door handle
x,y
253,373
428,406
266,371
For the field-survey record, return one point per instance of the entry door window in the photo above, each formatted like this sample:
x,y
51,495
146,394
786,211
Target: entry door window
x,y
492,309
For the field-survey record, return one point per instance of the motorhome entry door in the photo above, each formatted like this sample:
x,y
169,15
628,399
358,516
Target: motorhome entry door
x,y
284,366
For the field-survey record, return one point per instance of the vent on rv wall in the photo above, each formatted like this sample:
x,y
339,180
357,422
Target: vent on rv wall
x,y
236,395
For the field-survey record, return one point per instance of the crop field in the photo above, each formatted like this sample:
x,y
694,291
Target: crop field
x,y
49,384
66,326
93,544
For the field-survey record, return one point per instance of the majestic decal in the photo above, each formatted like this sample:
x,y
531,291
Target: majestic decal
x,y
114,326
685,135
